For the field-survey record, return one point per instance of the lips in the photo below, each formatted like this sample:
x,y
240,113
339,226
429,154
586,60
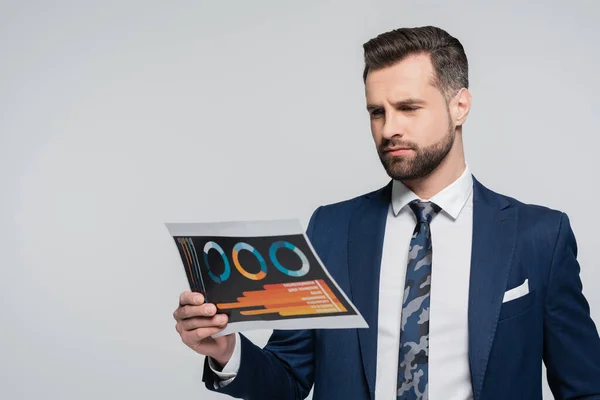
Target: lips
x,y
397,151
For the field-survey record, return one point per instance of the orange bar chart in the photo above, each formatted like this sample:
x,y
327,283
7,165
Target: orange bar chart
x,y
288,299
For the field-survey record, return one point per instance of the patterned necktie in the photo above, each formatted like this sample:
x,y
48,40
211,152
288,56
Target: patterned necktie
x,y
414,333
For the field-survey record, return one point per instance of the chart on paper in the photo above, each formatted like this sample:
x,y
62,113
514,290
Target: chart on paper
x,y
262,274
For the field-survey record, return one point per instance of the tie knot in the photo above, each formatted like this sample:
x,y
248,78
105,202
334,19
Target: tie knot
x,y
424,210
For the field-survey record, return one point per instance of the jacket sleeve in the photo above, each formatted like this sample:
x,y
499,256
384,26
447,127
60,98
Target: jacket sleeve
x,y
284,369
571,342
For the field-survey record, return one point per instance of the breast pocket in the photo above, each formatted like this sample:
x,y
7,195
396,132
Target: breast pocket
x,y
517,306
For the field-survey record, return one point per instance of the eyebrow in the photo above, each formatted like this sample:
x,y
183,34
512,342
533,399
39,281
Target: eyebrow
x,y
405,102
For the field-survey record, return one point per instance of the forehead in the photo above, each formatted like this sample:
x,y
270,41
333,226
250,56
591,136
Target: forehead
x,y
411,77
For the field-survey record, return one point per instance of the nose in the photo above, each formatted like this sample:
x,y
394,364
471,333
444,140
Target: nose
x,y
392,127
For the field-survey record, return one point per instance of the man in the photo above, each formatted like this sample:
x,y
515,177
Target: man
x,y
466,291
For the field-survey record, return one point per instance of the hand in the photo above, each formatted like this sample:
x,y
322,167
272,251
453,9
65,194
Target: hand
x,y
197,322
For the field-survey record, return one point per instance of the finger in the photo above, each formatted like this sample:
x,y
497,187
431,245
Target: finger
x,y
205,310
190,324
191,298
182,297
194,337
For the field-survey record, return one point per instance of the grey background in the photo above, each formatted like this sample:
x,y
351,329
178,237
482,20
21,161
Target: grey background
x,y
118,116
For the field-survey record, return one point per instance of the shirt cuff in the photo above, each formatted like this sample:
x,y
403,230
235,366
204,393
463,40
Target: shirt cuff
x,y
230,370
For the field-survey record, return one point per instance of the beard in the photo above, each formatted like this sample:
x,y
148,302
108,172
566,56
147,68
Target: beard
x,y
424,161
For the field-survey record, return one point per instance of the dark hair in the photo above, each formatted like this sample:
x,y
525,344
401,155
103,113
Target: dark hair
x,y
446,53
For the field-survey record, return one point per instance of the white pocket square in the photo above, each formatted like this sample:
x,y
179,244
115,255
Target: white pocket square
x,y
517,292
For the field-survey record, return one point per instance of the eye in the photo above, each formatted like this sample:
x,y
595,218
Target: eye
x,y
408,108
376,113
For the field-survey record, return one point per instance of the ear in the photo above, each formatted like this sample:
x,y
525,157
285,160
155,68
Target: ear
x,y
460,106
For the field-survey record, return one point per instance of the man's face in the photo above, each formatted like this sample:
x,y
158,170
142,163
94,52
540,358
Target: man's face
x,y
410,119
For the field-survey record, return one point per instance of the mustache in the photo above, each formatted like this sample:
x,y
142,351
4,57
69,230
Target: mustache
x,y
395,143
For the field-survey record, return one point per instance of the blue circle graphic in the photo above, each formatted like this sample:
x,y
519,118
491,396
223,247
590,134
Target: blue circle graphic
x,y
283,244
225,275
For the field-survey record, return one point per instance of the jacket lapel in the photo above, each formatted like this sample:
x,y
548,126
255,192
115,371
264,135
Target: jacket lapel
x,y
494,239
365,242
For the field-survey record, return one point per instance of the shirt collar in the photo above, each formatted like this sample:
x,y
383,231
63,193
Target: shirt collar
x,y
451,199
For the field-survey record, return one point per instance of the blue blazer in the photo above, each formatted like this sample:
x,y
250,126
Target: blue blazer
x,y
512,242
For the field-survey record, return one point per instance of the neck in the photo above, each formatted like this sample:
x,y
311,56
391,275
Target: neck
x,y
449,170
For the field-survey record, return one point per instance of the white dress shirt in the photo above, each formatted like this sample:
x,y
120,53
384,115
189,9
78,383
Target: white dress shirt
x,y
451,230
